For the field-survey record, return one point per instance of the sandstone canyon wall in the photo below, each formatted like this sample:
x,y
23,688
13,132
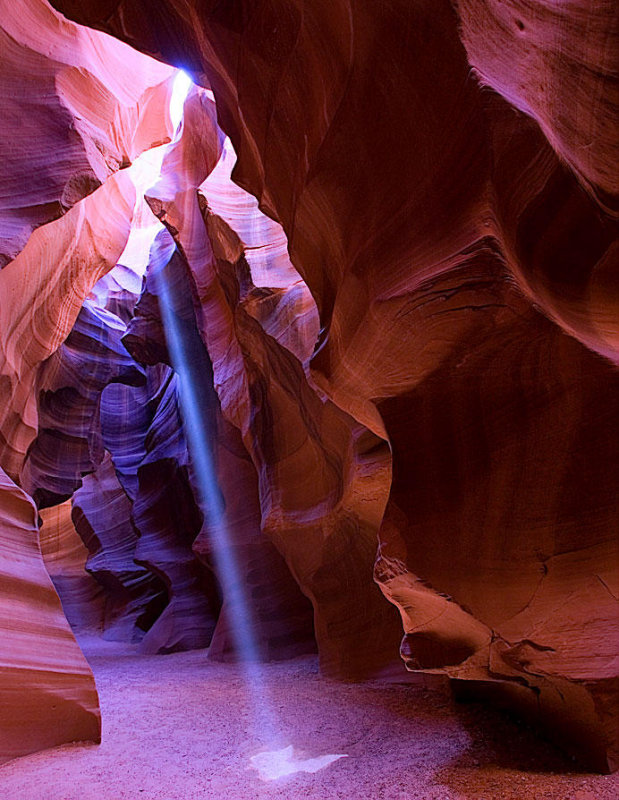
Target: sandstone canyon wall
x,y
47,689
48,693
404,299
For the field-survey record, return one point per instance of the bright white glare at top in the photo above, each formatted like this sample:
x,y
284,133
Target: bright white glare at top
x,y
180,90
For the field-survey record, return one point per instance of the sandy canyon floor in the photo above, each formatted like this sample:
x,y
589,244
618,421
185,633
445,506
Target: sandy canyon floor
x,y
175,728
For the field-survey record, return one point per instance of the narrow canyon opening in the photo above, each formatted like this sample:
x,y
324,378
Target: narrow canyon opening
x,y
308,400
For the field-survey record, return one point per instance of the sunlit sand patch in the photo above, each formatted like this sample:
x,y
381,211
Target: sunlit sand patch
x,y
278,763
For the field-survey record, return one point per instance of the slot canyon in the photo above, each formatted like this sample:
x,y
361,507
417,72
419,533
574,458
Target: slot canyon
x,y
309,399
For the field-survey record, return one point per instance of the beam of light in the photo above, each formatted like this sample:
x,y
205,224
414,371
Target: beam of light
x,y
191,362
192,365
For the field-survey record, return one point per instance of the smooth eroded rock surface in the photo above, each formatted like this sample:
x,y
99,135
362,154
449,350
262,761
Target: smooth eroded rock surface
x,y
404,316
47,690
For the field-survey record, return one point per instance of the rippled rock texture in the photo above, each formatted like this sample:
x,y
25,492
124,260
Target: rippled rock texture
x,y
456,230
71,126
65,557
405,304
47,689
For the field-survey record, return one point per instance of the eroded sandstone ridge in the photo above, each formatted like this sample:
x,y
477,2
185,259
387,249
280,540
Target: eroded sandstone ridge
x,y
46,687
72,123
404,301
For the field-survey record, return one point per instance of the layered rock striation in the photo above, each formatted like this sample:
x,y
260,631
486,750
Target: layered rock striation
x,y
403,298
456,229
47,689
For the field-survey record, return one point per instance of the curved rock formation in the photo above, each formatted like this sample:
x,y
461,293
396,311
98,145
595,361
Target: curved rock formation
x,y
78,105
168,519
311,459
69,389
42,292
557,63
281,615
102,515
431,218
65,557
90,100
47,689
409,366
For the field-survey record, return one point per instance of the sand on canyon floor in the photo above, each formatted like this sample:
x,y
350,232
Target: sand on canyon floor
x,y
175,728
